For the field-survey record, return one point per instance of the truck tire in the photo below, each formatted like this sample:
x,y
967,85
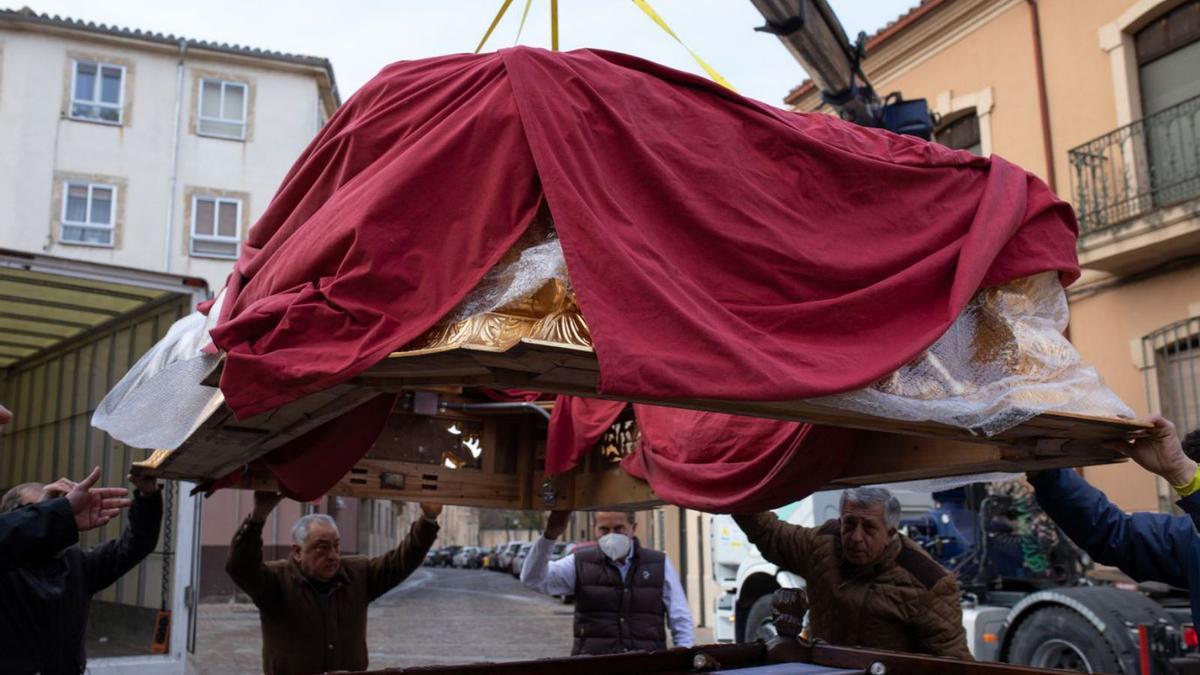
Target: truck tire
x,y
759,616
1057,637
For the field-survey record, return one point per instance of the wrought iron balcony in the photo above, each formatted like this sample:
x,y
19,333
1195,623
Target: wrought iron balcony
x,y
1149,164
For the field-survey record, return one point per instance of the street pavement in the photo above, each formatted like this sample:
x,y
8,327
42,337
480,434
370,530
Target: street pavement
x,y
437,616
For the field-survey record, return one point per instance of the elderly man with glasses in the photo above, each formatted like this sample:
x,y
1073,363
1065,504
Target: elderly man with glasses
x,y
313,605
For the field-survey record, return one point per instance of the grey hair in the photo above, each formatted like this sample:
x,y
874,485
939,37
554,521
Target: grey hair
x,y
871,496
300,529
13,497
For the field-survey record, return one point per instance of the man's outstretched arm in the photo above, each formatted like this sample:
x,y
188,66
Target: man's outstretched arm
x,y
388,570
538,571
107,562
1146,546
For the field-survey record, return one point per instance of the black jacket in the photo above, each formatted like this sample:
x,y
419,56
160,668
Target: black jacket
x,y
47,583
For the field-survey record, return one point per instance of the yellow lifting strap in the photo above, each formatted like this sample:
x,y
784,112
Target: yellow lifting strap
x,y
521,28
642,4
716,77
554,25
495,21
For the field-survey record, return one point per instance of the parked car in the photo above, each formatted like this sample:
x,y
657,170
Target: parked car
x,y
567,549
475,560
463,557
429,556
488,562
518,559
562,549
444,556
504,560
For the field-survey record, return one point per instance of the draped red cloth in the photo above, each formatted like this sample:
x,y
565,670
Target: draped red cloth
x,y
719,247
707,461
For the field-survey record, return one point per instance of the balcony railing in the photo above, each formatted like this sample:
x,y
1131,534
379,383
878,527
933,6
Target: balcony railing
x,y
1151,163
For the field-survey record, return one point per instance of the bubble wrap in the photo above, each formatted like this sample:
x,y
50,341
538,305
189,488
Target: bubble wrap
x,y
161,400
536,258
1002,362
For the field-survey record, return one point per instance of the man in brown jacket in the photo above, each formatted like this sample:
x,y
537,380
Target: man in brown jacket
x,y
868,585
313,606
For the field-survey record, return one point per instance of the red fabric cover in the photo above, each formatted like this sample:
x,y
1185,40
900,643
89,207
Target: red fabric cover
x,y
308,466
576,425
732,464
720,248
707,461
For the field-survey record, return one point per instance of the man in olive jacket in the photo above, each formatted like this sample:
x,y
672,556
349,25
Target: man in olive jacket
x,y
867,585
313,606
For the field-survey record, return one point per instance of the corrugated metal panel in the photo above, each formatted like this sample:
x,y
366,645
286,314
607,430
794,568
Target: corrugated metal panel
x,y
68,333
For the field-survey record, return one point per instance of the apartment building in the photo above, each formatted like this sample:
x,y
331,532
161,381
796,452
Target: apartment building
x,y
155,153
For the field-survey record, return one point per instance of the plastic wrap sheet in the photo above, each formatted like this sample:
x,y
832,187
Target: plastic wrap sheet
x,y
164,387
534,260
1003,362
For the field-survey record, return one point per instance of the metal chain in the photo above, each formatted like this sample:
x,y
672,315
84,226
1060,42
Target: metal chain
x,y
168,551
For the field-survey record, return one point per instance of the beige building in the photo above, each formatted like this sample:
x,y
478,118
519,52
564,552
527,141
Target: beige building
x,y
1100,98
145,150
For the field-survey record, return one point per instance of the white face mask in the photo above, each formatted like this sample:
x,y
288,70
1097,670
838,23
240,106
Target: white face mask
x,y
615,545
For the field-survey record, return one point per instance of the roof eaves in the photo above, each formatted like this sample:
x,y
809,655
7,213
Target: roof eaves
x,y
28,15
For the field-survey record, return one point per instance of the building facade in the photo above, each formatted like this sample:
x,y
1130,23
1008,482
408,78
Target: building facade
x,y
1101,99
144,150
157,153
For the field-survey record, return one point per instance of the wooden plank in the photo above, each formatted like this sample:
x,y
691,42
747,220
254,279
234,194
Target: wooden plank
x,y
885,458
223,444
575,371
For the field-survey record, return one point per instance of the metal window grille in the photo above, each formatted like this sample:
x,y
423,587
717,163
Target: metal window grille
x,y
1172,371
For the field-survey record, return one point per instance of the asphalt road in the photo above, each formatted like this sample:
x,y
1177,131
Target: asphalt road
x,y
437,616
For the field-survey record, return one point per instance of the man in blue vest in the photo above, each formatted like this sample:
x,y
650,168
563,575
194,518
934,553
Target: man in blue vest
x,y
623,591
1146,546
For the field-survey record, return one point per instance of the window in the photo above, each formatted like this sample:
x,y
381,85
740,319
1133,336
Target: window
x,y
97,92
1172,357
1168,56
215,225
222,109
961,132
88,213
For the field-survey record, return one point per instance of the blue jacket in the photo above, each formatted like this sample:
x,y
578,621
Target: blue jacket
x,y
1146,546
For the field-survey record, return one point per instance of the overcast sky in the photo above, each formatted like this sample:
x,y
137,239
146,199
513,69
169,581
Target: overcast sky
x,y
361,36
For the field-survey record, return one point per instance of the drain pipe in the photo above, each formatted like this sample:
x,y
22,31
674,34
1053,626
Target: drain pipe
x,y
514,405
1044,107
174,157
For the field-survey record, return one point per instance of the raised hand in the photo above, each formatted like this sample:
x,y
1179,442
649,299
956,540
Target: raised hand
x,y
556,524
431,511
58,488
264,504
145,485
93,506
1159,450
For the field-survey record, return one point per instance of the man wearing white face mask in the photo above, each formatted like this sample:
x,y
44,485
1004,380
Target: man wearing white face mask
x,y
623,591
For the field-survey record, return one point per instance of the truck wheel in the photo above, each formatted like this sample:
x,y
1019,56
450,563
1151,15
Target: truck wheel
x,y
1057,637
759,616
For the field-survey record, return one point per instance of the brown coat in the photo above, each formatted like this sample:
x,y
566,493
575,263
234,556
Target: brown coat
x,y
304,632
905,602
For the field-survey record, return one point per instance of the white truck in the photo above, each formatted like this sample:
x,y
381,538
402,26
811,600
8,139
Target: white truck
x,y
1090,627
